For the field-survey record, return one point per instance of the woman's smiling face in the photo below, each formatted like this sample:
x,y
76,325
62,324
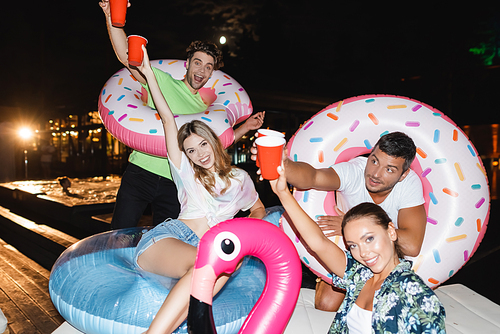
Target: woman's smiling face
x,y
372,245
200,152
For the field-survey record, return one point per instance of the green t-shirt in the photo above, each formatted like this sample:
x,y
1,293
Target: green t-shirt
x,y
181,101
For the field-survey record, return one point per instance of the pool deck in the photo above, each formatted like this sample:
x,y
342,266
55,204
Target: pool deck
x,y
69,215
24,295
28,249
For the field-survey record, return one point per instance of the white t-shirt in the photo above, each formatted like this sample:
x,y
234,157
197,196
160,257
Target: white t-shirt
x,y
405,194
196,201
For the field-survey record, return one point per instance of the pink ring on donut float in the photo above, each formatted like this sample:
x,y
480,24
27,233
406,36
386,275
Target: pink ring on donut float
x,y
453,177
128,118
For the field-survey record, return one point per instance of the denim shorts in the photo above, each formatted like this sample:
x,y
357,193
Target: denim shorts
x,y
170,228
273,214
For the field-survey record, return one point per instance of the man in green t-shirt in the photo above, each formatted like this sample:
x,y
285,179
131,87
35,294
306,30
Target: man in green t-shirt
x,y
147,179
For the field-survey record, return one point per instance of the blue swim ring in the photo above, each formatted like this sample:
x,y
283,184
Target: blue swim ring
x,y
96,286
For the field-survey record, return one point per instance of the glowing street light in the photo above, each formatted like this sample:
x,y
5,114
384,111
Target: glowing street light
x,y
222,40
25,134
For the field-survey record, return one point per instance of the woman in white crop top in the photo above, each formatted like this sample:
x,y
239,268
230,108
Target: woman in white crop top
x,y
383,294
210,191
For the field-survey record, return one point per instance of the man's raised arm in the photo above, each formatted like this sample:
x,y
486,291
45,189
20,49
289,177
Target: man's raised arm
x,y
119,41
304,176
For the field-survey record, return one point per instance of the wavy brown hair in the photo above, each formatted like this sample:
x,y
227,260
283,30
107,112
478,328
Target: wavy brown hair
x,y
222,161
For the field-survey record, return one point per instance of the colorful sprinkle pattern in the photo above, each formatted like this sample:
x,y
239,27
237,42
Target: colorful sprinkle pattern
x,y
457,195
132,122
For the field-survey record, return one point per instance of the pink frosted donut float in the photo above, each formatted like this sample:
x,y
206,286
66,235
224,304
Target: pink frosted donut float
x,y
127,117
453,177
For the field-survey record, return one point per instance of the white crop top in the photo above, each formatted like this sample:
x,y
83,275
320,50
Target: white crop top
x,y
359,321
196,201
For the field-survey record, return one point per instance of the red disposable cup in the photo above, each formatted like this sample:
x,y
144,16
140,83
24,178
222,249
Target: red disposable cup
x,y
118,9
135,53
269,153
266,132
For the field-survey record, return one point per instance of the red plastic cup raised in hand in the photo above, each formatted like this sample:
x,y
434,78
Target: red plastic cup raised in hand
x,y
266,132
269,153
135,53
118,9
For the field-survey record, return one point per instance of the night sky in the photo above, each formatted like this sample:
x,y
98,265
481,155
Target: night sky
x,y
56,55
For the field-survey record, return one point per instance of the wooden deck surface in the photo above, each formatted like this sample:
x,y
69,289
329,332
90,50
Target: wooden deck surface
x,y
24,283
24,294
25,271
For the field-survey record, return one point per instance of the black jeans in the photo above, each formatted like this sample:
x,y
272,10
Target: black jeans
x,y
138,188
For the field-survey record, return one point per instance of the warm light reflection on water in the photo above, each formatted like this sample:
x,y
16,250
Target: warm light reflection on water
x,y
87,191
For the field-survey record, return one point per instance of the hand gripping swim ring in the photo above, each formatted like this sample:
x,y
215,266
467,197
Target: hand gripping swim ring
x,y
127,117
220,250
97,287
453,177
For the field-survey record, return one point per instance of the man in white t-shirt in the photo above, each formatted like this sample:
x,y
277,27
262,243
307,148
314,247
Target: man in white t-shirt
x,y
384,178
406,193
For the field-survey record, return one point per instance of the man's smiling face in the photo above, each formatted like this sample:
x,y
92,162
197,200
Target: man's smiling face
x,y
199,69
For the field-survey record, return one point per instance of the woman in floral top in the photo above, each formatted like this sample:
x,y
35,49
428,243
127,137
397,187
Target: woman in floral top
x,y
383,294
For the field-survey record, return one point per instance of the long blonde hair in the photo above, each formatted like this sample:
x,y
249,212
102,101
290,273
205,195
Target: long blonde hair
x,y
222,161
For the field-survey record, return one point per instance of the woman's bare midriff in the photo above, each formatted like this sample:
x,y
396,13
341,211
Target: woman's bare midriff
x,y
197,225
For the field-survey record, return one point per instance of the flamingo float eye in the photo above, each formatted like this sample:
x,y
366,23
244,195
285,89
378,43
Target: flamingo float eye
x,y
227,246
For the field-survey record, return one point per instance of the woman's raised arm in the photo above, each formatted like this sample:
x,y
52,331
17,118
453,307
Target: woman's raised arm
x,y
331,255
167,118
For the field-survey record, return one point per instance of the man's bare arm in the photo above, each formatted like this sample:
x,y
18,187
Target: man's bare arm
x,y
411,229
119,42
253,122
304,176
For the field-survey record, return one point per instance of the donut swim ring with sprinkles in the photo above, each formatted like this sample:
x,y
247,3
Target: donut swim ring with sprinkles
x,y
453,177
97,287
125,114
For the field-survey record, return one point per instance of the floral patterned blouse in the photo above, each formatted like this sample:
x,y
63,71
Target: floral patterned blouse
x,y
404,304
